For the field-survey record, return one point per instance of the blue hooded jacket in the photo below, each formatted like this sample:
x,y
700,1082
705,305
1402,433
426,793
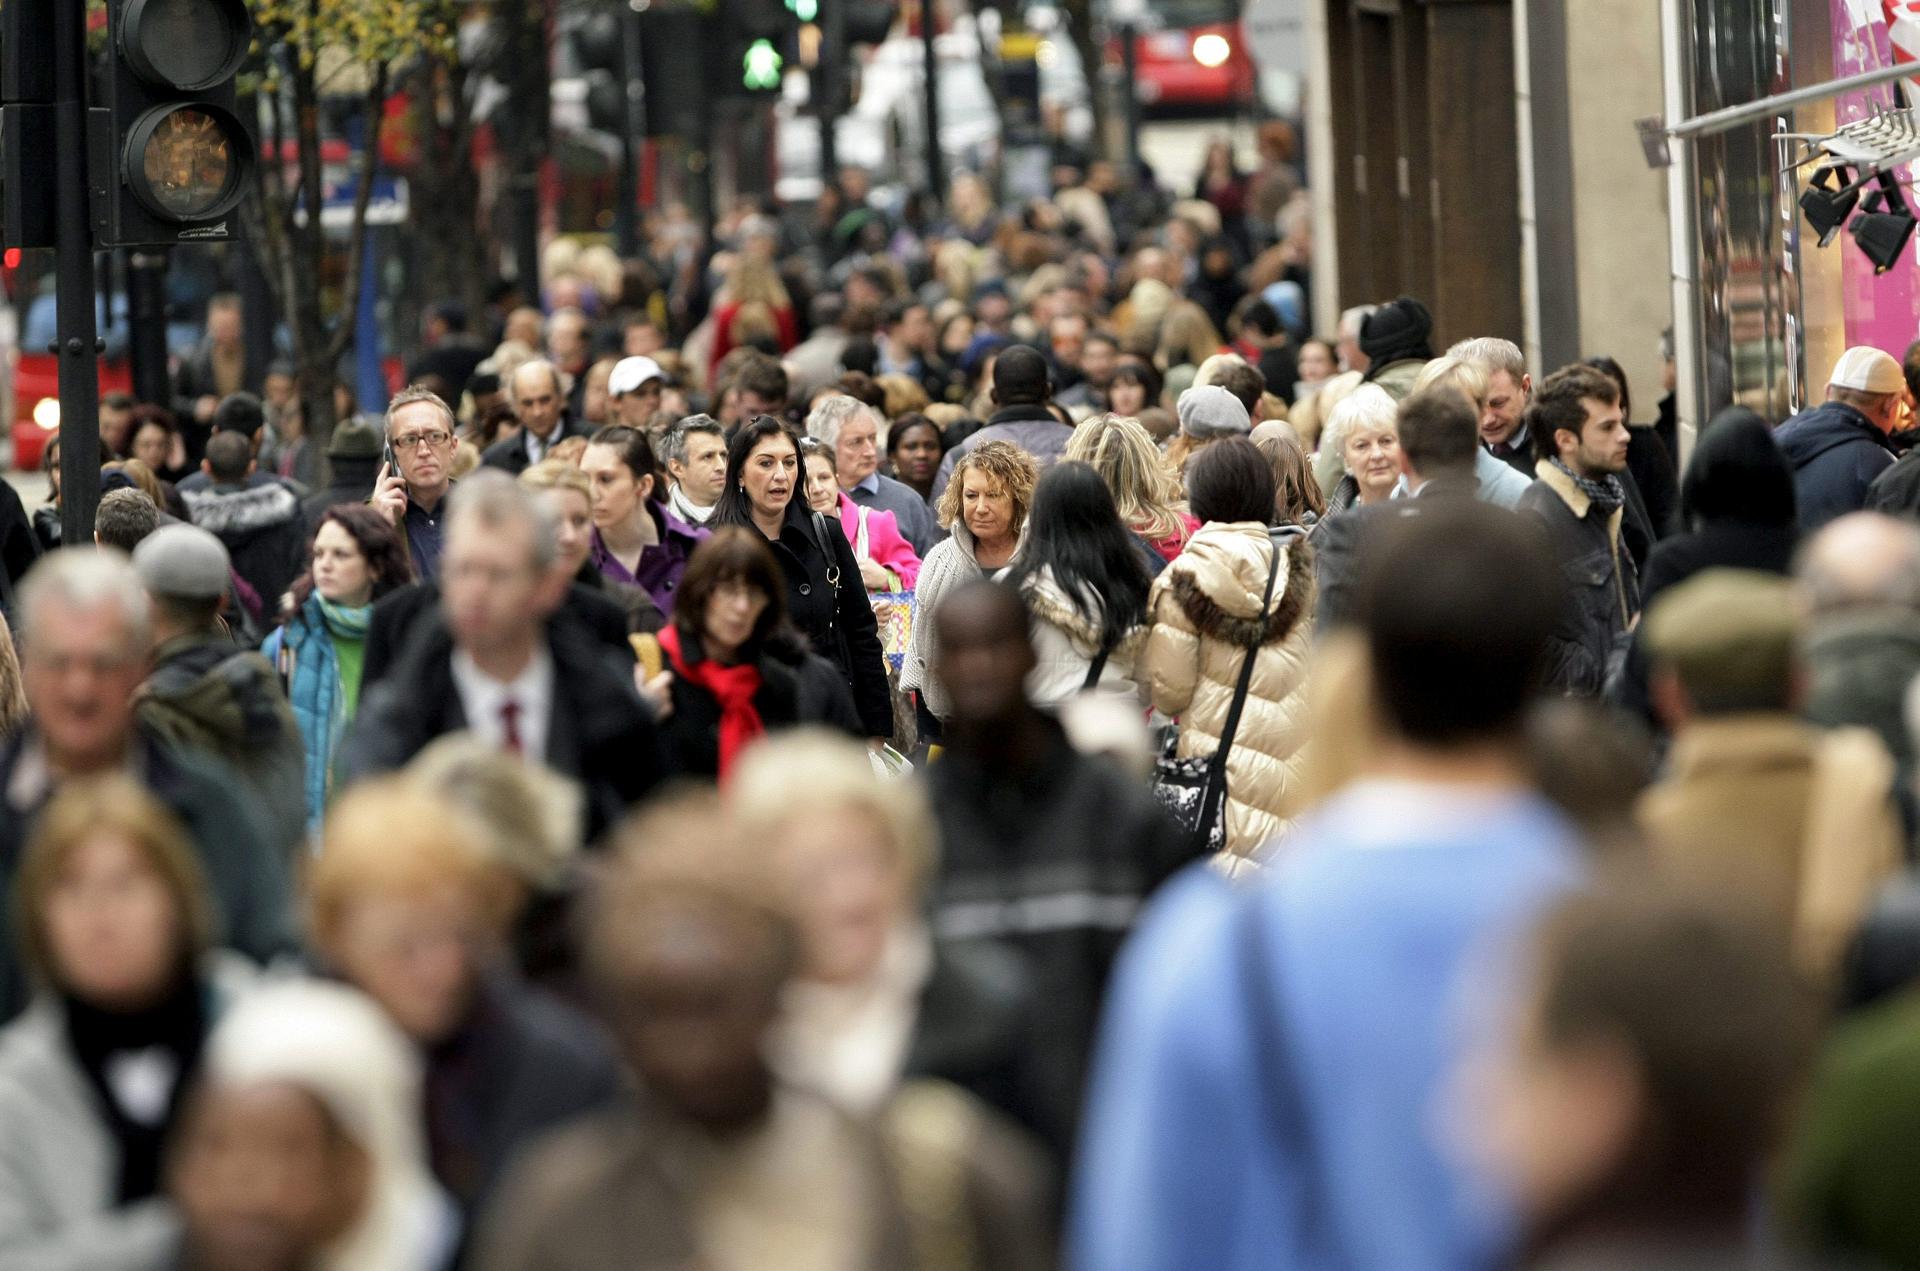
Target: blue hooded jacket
x,y
1836,453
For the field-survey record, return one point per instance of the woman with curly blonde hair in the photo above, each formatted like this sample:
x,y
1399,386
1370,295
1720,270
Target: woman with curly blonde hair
x,y
1145,491
985,510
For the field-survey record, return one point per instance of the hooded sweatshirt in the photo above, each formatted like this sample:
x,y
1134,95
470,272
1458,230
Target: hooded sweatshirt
x,y
1836,453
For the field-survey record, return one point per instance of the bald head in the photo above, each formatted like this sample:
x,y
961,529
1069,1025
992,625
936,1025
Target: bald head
x,y
537,395
1862,560
984,652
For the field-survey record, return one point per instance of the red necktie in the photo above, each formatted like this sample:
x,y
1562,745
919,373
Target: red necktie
x,y
510,725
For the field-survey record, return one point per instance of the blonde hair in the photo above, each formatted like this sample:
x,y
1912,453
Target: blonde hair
x,y
1187,337
1003,463
753,280
144,479
13,694
397,836
790,775
904,396
466,459
532,814
553,473
113,806
1461,373
567,450
1145,491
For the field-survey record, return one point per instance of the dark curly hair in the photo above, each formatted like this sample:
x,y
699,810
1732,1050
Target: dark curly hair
x,y
382,545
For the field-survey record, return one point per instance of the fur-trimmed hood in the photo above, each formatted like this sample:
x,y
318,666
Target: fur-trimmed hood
x,y
231,510
1221,577
1048,602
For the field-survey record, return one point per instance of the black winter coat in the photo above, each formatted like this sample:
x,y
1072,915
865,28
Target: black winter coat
x,y
400,612
1836,453
1049,862
1602,588
838,623
601,734
510,454
796,687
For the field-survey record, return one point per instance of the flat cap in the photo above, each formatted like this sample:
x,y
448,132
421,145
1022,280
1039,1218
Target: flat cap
x,y
1730,635
184,562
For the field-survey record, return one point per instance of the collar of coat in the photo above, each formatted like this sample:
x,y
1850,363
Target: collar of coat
x,y
1209,617
1574,497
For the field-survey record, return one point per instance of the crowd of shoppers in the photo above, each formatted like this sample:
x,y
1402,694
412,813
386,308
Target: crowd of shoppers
x,y
965,738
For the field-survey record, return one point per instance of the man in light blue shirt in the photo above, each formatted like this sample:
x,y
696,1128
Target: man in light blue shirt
x,y
1264,1095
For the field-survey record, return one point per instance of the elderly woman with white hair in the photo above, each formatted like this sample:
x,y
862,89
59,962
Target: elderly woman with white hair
x,y
1364,432
301,1150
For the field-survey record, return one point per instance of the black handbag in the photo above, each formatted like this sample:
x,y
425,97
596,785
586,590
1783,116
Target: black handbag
x,y
1194,790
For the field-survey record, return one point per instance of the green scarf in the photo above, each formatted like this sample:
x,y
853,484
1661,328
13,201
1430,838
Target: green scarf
x,y
345,622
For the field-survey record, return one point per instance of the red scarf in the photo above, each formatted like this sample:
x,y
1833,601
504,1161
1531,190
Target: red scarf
x,y
732,686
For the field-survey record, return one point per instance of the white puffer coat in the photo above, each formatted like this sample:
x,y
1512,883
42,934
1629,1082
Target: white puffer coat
x,y
1205,611
1065,643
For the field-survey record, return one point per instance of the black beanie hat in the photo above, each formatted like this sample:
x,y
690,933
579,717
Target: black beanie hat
x,y
1396,330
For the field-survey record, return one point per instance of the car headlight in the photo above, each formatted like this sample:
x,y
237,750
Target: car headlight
x,y
46,413
1211,50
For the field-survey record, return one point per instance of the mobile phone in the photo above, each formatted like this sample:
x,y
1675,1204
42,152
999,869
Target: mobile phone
x,y
392,462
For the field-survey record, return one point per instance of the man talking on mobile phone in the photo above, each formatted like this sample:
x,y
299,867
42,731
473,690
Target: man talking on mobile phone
x,y
420,441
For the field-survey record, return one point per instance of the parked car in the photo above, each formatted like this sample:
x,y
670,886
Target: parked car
x,y
1190,54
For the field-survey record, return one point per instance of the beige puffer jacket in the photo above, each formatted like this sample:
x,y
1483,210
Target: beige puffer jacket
x,y
1205,612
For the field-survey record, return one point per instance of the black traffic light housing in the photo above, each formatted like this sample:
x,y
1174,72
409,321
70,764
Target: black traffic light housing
x,y
169,155
752,46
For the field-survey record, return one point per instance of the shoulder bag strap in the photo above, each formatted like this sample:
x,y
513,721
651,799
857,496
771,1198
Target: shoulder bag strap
x,y
826,549
1246,668
1096,668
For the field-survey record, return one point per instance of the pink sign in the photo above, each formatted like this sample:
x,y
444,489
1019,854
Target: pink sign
x,y
1883,310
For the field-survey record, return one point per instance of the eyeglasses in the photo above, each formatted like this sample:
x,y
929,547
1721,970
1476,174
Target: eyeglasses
x,y
415,439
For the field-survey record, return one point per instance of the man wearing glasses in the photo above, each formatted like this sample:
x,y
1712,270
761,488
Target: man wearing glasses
x,y
420,437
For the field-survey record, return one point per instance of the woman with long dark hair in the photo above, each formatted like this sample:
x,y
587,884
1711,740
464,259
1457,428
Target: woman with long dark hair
x,y
739,670
824,597
1085,585
356,556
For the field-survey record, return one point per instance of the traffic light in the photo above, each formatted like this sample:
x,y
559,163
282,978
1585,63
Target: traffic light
x,y
755,39
26,123
169,157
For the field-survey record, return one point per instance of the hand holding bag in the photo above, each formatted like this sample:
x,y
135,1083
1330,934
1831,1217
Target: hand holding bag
x,y
1194,790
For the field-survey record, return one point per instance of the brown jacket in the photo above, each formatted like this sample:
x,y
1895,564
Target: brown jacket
x,y
1205,613
1799,820
639,1189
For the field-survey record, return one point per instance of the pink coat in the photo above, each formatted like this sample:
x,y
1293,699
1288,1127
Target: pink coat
x,y
884,545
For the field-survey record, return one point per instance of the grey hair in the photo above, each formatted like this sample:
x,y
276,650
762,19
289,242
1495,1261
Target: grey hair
x,y
1862,560
834,413
1493,354
562,382
673,446
494,499
412,395
1368,404
1353,319
85,578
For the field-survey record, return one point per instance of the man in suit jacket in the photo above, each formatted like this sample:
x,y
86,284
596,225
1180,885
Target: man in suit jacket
x,y
539,400
498,665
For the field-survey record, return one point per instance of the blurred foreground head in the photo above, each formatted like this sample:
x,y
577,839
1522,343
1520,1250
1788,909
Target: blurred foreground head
x,y
1648,1073
1457,607
302,1148
689,949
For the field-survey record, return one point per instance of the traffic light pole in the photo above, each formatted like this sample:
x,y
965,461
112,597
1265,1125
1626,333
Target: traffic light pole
x,y
633,127
73,251
829,87
936,159
147,322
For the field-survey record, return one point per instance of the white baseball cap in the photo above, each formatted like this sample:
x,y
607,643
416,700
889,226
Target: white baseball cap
x,y
1867,370
630,373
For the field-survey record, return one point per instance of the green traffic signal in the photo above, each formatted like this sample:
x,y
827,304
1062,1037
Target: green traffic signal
x,y
805,10
761,66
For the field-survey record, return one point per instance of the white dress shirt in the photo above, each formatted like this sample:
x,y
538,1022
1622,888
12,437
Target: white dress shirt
x,y
482,696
